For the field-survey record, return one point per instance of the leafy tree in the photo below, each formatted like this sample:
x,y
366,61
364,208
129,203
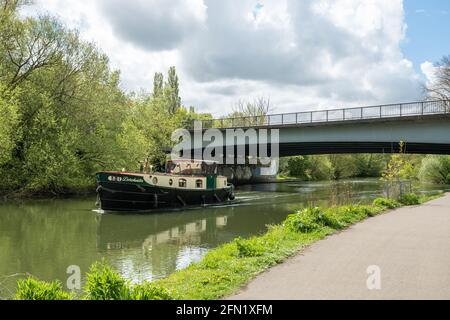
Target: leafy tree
x,y
435,169
68,106
343,166
172,91
369,165
9,117
308,168
158,85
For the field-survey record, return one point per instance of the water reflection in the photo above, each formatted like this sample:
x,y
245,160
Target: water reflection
x,y
153,246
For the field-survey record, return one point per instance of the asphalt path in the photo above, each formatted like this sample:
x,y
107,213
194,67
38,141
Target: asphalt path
x,y
402,254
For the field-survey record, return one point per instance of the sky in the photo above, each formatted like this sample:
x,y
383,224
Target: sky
x,y
301,54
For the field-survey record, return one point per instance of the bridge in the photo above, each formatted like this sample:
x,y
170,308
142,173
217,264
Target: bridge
x,y
423,126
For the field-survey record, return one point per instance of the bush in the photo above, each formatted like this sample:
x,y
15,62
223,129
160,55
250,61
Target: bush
x,y
103,283
150,291
253,247
409,199
312,219
347,215
33,289
435,169
303,221
386,203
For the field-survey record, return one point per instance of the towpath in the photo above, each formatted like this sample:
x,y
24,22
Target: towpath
x,y
403,254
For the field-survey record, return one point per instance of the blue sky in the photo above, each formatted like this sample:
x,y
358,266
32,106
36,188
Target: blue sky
x,y
428,33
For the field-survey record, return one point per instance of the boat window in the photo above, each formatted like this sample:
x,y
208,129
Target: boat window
x,y
182,183
170,182
155,180
199,184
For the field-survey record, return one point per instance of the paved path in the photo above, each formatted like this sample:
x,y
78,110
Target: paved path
x,y
411,247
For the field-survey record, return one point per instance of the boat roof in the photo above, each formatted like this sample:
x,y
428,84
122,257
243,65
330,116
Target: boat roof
x,y
194,161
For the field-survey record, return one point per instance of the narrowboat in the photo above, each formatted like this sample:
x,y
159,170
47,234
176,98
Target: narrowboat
x,y
185,183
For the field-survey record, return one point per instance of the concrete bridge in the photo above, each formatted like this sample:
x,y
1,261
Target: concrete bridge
x,y
424,127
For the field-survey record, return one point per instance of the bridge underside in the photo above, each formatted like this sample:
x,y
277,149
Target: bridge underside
x,y
318,148
422,135
293,149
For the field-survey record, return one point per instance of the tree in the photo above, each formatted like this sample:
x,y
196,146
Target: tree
x,y
9,117
158,85
440,86
62,102
172,91
343,165
258,107
435,169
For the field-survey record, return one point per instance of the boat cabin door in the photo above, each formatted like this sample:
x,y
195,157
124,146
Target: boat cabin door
x,y
211,182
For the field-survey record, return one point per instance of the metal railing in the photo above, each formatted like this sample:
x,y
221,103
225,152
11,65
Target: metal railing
x,y
333,115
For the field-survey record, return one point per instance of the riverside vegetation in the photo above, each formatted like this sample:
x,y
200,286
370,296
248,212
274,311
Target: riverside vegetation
x,y
224,269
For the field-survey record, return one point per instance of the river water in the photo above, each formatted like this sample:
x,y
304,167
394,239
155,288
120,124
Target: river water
x,y
43,238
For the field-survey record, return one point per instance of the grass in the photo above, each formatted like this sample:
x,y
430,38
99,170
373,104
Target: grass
x,y
33,289
227,268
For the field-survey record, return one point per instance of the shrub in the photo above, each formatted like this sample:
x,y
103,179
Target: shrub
x,y
386,203
328,219
409,199
435,169
253,247
312,219
103,283
150,291
303,221
33,289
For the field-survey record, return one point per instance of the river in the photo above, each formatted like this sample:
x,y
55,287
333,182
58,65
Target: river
x,y
44,237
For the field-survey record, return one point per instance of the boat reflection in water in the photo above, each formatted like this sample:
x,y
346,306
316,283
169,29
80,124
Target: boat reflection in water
x,y
149,247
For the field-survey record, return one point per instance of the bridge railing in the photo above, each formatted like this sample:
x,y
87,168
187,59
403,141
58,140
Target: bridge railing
x,y
333,115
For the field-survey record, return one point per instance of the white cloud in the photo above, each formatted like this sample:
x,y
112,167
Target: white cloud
x,y
302,54
429,70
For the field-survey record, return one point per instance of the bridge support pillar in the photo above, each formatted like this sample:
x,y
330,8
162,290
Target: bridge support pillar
x,y
247,174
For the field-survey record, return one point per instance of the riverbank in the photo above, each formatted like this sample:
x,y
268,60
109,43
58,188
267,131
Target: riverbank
x,y
45,195
227,268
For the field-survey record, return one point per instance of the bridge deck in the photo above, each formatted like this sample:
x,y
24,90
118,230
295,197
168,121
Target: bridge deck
x,y
389,111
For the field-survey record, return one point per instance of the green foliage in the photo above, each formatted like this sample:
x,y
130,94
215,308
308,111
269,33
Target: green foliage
x,y
333,166
9,115
32,289
312,219
386,203
253,247
103,283
435,169
343,166
150,291
308,168
409,199
303,221
402,167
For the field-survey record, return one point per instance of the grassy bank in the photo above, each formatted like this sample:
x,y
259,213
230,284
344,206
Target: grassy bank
x,y
227,268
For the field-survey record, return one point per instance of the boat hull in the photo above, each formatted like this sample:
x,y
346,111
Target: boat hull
x,y
114,196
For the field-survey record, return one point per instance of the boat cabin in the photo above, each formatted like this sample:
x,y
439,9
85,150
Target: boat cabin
x,y
191,167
